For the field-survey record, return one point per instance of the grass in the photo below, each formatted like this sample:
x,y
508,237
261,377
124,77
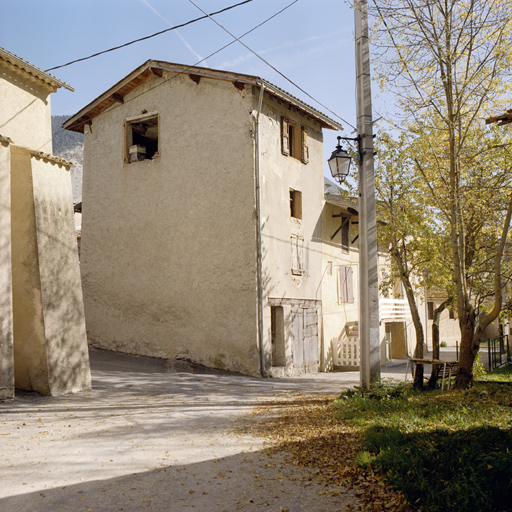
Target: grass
x,y
442,450
503,374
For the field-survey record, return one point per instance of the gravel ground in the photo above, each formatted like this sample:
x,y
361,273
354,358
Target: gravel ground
x,y
157,435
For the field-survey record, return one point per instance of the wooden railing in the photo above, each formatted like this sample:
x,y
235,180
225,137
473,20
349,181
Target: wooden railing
x,y
345,351
394,310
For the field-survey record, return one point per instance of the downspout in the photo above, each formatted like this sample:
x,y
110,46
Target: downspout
x,y
259,257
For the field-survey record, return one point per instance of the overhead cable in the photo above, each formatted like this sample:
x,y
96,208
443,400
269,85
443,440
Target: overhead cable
x,y
149,37
202,60
271,66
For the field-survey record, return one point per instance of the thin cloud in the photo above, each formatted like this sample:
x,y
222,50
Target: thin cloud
x,y
181,38
287,45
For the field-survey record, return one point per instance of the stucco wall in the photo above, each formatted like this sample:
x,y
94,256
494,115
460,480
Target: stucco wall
x,y
168,245
50,346
337,316
279,174
6,347
26,117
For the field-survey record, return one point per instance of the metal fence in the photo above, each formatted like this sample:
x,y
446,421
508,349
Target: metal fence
x,y
498,352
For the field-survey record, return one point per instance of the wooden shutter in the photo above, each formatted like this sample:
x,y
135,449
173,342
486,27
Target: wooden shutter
x,y
346,285
342,284
294,255
304,145
285,136
300,251
297,255
350,285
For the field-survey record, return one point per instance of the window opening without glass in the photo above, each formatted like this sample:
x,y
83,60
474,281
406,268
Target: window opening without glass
x,y
142,138
296,204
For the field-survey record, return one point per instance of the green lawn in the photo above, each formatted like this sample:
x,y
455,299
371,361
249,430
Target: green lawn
x,y
446,451
503,374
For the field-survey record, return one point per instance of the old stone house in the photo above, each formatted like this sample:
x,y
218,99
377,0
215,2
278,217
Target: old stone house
x,y
43,346
201,230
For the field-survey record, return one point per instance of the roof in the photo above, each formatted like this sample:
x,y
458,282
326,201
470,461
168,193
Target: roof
x,y
336,200
25,66
151,68
502,119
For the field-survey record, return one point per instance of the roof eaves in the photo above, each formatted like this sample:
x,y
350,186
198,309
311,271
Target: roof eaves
x,y
33,70
336,200
501,119
77,121
326,121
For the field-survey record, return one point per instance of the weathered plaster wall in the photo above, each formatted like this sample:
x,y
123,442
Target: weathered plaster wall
x,y
26,117
168,245
50,346
279,174
6,347
30,367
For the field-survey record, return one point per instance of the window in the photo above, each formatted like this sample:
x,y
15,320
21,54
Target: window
x,y
430,308
452,314
297,255
142,138
345,284
294,140
296,204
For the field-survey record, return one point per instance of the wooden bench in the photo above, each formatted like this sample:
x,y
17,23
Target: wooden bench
x,y
447,371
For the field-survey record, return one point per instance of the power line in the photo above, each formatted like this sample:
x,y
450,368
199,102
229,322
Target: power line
x,y
202,60
235,39
149,37
271,66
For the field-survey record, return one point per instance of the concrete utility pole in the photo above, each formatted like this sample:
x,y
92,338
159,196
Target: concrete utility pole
x,y
368,273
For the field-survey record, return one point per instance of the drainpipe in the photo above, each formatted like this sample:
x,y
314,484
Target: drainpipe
x,y
259,257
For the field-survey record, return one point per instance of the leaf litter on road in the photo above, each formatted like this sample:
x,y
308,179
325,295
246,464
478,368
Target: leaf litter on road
x,y
303,428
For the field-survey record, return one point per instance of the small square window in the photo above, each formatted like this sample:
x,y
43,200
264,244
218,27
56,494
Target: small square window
x,y
142,138
296,204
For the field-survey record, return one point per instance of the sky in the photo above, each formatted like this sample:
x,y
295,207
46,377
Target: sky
x,y
311,43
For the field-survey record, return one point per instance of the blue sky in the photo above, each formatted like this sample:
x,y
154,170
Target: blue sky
x,y
311,43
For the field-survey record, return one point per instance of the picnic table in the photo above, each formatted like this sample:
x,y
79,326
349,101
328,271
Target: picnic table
x,y
449,368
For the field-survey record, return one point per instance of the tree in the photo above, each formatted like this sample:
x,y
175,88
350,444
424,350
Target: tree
x,y
414,244
448,63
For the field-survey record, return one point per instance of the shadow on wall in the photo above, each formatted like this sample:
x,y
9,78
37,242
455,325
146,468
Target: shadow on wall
x,y
50,345
6,347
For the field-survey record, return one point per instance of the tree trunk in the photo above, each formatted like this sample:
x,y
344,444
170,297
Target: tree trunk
x,y
418,327
469,335
435,341
468,351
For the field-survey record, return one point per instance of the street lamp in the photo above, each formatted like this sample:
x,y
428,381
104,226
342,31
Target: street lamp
x,y
339,163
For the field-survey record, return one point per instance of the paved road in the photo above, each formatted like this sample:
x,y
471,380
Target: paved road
x,y
155,435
